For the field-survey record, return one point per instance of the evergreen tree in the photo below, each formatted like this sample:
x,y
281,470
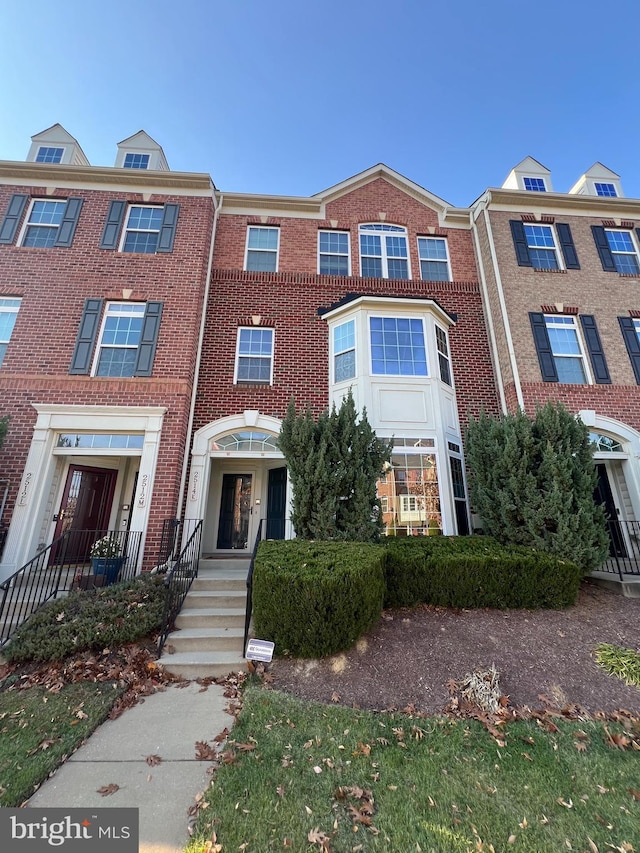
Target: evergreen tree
x,y
532,483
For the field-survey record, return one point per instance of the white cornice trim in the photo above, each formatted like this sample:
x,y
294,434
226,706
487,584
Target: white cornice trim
x,y
585,205
392,303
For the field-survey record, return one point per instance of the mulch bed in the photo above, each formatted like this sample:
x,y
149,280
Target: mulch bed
x,y
544,657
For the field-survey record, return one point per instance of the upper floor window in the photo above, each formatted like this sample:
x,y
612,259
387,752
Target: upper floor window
x,y
566,349
397,346
148,229
542,246
43,222
536,185
383,251
118,345
333,253
136,161
605,189
344,351
262,249
8,313
623,250
443,355
49,155
142,229
630,327
254,355
434,259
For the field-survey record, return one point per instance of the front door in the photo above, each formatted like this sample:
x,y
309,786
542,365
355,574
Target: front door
x,y
276,502
235,511
86,505
602,494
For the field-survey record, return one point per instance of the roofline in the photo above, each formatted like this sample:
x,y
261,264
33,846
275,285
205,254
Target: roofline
x,y
522,199
352,300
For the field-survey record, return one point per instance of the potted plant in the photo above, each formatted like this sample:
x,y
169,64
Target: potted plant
x,y
106,558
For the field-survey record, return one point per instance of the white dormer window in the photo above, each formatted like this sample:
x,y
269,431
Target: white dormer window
x,y
534,185
134,160
49,155
608,190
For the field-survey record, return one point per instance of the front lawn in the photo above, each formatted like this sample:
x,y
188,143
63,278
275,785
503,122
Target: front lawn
x,y
308,777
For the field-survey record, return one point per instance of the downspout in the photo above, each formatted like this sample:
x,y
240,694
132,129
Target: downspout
x,y
503,306
196,378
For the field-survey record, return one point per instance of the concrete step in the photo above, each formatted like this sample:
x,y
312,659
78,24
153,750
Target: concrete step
x,y
214,598
193,665
207,640
204,581
207,617
225,565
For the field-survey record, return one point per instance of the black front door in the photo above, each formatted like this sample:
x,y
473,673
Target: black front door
x,y
276,502
235,511
602,494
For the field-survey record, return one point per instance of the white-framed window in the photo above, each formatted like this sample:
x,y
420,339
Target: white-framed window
x,y
333,253
117,350
434,259
567,349
8,313
535,185
410,495
443,355
47,154
43,221
254,355
605,189
397,346
142,229
136,160
344,351
624,251
383,251
542,246
262,248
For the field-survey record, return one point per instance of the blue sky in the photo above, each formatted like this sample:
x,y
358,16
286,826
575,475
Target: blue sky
x,y
292,97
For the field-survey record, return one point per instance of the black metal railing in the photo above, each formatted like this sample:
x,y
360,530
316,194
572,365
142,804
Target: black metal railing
x,y
624,548
179,578
59,568
175,532
249,607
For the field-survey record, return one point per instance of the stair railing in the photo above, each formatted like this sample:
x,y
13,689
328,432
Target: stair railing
x,y
249,607
178,581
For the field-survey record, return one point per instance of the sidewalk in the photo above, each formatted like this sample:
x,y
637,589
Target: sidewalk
x,y
166,724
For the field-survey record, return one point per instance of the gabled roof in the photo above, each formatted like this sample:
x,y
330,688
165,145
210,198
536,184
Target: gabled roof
x,y
529,167
141,142
141,139
57,137
55,133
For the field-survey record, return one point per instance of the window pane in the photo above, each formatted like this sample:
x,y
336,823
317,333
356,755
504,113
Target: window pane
x,y
371,267
345,365
563,341
434,271
335,242
261,261
398,268
144,242
334,265
263,238
40,238
47,212
145,218
49,155
254,369
116,362
570,371
543,259
344,336
397,347
432,248
605,190
626,263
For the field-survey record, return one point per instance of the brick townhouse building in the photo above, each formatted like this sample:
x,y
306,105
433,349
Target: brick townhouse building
x,y
561,282
372,286
103,278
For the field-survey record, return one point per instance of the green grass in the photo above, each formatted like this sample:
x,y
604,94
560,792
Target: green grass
x,y
435,784
621,662
39,729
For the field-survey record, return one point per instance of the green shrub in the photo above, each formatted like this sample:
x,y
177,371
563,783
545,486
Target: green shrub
x,y
475,571
111,616
316,598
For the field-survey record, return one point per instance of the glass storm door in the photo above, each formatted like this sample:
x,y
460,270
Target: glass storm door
x,y
603,495
86,505
276,502
235,511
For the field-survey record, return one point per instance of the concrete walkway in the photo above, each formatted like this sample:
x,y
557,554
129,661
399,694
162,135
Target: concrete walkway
x,y
166,724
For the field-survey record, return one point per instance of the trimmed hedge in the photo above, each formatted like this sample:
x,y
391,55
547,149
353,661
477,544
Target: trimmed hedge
x,y
475,571
97,619
316,598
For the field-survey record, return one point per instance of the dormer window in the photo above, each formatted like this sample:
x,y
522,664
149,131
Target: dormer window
x,y
608,190
49,155
534,185
134,160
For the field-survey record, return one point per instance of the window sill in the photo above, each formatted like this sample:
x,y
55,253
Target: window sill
x,y
544,270
250,382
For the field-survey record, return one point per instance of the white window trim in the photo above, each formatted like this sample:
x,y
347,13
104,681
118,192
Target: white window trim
x,y
632,236
384,257
335,352
266,251
556,247
125,229
597,184
534,178
237,381
48,163
103,323
335,254
446,355
446,247
27,223
586,366
136,168
404,377
9,309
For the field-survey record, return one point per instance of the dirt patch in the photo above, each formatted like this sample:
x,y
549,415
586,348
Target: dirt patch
x,y
410,657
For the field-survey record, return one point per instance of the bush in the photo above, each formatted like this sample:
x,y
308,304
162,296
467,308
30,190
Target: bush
x,y
476,571
93,620
316,598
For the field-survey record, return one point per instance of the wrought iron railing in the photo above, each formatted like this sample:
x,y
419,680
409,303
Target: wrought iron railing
x,y
624,548
56,570
249,607
178,580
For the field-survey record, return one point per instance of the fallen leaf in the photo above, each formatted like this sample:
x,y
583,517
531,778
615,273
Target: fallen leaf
x,y
511,839
567,805
593,845
152,760
580,745
108,789
246,747
204,752
280,790
335,697
634,793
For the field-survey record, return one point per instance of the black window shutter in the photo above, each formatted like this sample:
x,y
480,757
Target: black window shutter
x,y
168,228
602,245
520,243
112,226
87,333
148,339
594,346
566,244
543,347
632,343
638,234
12,219
69,221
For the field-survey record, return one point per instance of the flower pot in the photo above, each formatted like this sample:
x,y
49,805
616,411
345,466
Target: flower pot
x,y
107,566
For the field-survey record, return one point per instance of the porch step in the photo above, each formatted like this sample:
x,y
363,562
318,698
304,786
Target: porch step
x,y
207,617
198,599
207,639
193,664
628,585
